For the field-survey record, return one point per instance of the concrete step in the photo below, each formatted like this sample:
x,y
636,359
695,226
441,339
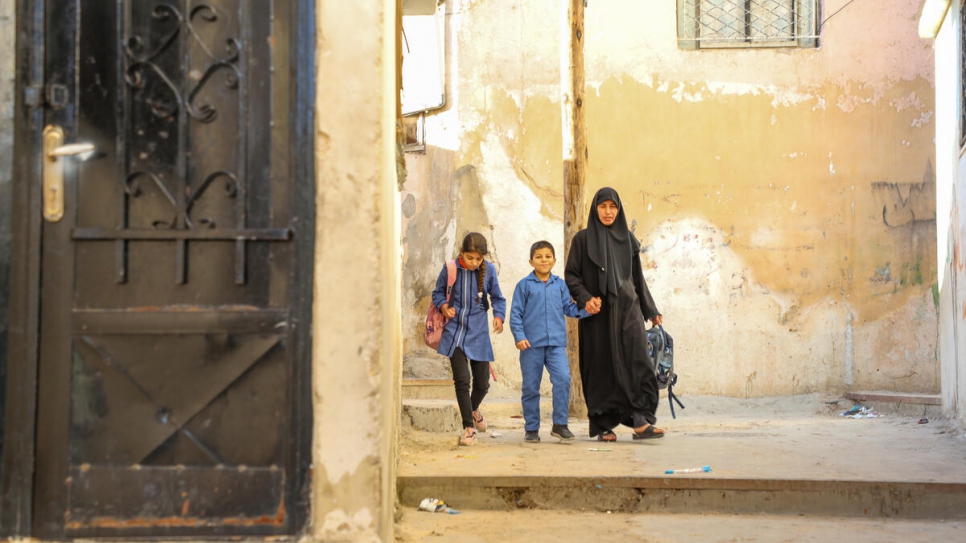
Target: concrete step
x,y
895,397
427,389
431,415
694,495
899,403
442,415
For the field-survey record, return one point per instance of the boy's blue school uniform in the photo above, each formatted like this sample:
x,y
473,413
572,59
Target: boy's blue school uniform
x,y
537,315
469,329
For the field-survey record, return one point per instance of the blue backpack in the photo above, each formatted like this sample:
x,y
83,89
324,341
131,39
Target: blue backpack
x,y
660,347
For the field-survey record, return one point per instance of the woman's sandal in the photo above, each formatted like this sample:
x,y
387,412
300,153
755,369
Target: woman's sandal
x,y
468,437
607,435
479,423
649,432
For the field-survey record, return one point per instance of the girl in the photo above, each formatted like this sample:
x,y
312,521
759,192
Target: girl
x,y
466,340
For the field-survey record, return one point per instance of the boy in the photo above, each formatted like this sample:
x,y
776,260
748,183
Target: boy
x,y
539,304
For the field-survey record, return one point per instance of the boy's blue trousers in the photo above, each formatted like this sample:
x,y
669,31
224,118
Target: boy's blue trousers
x,y
532,362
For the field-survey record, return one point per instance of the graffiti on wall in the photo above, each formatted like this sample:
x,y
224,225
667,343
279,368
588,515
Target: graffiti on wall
x,y
905,204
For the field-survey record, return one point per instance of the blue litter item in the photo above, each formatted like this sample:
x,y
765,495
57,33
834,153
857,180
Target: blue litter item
x,y
702,469
855,409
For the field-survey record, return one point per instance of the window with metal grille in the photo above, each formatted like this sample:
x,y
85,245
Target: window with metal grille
x,y
747,23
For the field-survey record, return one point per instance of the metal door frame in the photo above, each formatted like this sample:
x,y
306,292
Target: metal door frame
x,y
17,462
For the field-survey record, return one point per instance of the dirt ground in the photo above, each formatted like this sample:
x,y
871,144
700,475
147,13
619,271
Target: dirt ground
x,y
803,437
773,438
532,526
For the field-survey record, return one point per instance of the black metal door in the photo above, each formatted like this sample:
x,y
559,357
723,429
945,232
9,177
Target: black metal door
x,y
173,377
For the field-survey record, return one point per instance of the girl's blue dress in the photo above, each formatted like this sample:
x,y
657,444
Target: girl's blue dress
x,y
469,329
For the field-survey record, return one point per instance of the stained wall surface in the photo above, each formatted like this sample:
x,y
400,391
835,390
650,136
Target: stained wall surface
x,y
355,334
785,198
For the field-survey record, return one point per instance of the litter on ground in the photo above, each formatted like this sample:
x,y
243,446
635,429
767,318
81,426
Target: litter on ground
x,y
436,505
860,412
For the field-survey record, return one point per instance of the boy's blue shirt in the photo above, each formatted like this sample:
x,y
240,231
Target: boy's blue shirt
x,y
537,311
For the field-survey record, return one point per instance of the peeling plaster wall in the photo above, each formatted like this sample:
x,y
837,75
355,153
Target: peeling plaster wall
x,y
492,162
785,197
813,170
355,335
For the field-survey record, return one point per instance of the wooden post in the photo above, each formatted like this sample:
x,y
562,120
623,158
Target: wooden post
x,y
574,166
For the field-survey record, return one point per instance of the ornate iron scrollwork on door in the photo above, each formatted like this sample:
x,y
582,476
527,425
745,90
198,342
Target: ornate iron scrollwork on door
x,y
174,149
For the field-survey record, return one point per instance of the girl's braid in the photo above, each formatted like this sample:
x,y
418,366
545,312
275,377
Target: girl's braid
x,y
474,241
480,278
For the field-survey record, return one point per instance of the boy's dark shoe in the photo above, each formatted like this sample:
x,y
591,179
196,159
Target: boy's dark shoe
x,y
561,432
532,437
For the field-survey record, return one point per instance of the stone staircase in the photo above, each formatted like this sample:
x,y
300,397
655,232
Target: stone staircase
x,y
430,405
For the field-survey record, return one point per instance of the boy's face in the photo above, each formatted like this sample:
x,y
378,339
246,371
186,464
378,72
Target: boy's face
x,y
542,261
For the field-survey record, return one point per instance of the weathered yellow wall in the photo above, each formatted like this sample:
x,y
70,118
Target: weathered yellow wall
x,y
806,175
355,337
785,197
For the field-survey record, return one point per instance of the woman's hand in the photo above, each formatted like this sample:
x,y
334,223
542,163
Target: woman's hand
x,y
447,311
523,345
497,324
593,305
657,320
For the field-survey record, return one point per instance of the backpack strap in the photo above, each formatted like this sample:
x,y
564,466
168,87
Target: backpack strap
x,y
672,397
450,277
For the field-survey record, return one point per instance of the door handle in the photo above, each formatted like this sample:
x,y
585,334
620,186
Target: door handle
x,y
55,153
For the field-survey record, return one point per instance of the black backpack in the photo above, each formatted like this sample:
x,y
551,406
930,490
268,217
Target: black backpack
x,y
660,347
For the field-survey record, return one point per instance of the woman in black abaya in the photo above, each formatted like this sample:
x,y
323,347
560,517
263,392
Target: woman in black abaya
x,y
604,275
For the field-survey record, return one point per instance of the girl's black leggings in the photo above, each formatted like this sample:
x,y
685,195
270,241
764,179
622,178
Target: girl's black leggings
x,y
462,381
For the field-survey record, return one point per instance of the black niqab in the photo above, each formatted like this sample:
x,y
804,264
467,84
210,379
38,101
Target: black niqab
x,y
610,247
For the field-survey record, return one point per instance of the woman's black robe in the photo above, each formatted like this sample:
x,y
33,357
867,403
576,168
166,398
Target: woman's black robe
x,y
616,372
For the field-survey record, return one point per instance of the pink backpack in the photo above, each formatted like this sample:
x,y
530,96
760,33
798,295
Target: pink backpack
x,y
435,322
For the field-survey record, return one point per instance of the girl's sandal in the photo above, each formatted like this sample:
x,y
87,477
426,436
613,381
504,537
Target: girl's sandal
x,y
468,437
607,435
479,423
649,432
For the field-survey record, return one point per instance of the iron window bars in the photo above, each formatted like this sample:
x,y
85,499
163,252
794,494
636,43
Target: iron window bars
x,y
747,23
